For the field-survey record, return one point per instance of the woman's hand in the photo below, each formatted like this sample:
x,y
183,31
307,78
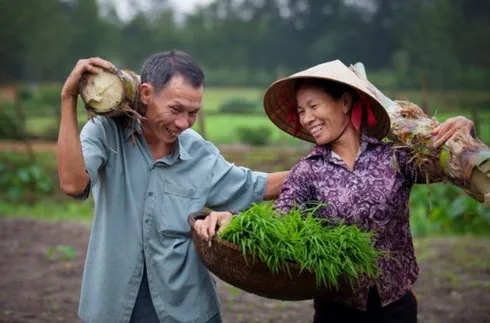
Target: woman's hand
x,y
206,229
70,88
450,128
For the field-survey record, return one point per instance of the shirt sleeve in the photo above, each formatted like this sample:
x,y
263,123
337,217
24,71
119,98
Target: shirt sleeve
x,y
413,173
297,189
94,152
233,187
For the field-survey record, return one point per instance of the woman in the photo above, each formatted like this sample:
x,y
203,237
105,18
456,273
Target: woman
x,y
364,181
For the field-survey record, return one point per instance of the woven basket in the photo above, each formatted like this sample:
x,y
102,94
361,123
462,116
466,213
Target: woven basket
x,y
226,261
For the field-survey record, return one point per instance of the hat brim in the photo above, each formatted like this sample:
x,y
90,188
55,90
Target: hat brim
x,y
279,101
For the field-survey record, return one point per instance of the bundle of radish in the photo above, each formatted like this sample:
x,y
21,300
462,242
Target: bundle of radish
x,y
464,161
333,252
111,93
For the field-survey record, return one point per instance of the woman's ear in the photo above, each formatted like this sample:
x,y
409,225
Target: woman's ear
x,y
346,102
146,92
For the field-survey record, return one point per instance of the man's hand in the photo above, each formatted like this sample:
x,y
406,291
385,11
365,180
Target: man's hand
x,y
206,229
450,128
70,88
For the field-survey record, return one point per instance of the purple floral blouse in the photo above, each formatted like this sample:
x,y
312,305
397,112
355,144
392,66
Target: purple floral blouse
x,y
374,196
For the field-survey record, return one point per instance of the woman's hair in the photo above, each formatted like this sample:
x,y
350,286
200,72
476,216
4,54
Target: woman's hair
x,y
333,88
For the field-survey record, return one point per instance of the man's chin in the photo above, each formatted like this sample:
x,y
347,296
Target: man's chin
x,y
167,138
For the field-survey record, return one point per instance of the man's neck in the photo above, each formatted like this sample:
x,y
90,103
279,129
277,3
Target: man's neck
x,y
158,149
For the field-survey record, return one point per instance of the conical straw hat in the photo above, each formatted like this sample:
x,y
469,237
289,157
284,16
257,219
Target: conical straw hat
x,y
279,99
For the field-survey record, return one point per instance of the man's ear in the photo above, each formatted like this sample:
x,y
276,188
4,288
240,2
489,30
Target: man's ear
x,y
146,93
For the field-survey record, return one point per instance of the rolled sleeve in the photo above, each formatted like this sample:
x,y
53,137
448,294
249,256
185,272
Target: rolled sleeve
x,y
297,189
233,187
94,152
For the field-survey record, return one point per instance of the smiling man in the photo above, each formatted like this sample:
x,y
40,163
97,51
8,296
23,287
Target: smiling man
x,y
141,265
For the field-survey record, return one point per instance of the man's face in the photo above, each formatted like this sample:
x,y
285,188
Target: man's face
x,y
171,110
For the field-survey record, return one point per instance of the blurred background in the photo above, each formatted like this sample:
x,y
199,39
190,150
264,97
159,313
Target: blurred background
x,y
435,53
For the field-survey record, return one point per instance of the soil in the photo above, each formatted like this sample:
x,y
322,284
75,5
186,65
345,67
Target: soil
x,y
40,283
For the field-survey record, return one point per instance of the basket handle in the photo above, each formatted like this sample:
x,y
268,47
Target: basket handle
x,y
196,216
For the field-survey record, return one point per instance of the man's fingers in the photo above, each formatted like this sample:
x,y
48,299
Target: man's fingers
x,y
200,228
213,220
91,69
223,224
97,61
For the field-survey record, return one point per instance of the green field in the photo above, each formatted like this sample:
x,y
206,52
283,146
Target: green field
x,y
42,122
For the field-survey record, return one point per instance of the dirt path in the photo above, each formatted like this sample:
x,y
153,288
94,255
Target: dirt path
x,y
454,286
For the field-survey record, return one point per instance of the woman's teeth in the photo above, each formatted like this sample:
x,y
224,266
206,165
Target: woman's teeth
x,y
316,130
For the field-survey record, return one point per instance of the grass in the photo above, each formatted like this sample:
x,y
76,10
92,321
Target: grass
x,y
221,129
214,97
300,237
51,210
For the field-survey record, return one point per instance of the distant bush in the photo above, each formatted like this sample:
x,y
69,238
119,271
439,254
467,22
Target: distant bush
x,y
20,180
446,209
238,105
238,76
10,126
50,95
255,136
43,100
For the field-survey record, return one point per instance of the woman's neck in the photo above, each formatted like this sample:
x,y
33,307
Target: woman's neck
x,y
347,146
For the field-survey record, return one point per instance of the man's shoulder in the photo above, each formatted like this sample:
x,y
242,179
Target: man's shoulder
x,y
192,141
98,122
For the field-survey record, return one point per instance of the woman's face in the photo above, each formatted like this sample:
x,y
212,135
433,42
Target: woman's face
x,y
321,115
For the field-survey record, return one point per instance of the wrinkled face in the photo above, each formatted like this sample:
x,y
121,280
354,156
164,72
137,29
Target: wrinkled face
x,y
172,110
324,117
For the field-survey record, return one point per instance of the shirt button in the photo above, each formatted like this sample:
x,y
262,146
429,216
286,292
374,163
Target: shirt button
x,y
150,194
147,220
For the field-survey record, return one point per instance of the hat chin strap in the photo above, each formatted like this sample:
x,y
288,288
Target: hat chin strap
x,y
343,130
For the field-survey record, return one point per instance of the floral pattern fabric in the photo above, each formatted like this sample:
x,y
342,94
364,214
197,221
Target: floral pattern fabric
x,y
374,195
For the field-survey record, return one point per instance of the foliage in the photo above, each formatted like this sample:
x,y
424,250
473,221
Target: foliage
x,y
254,135
254,42
50,209
333,251
446,209
240,105
10,125
61,252
21,180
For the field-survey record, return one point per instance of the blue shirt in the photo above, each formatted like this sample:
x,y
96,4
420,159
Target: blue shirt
x,y
141,211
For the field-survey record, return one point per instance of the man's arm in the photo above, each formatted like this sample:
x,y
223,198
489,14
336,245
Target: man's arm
x,y
274,184
72,172
71,166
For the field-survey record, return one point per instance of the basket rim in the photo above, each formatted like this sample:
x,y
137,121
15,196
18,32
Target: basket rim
x,y
203,214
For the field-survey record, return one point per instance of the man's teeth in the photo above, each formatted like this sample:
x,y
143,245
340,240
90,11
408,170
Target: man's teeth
x,y
171,132
316,130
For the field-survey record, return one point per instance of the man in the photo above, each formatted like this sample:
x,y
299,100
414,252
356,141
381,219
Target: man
x,y
141,265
